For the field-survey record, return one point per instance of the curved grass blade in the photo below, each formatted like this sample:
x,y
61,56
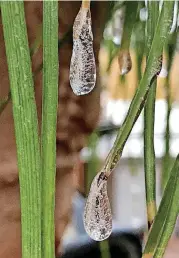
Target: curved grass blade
x,y
138,102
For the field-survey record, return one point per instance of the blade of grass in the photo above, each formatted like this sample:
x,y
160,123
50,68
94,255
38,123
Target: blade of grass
x,y
129,22
138,102
49,120
105,249
138,44
167,161
33,50
170,220
124,58
26,125
93,162
86,4
149,117
165,219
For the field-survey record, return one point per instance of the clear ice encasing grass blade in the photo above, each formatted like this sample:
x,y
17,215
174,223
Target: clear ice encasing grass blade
x,y
82,67
97,214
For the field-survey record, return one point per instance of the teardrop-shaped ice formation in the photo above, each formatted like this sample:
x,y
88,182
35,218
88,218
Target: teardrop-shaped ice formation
x,y
82,67
164,72
125,63
97,214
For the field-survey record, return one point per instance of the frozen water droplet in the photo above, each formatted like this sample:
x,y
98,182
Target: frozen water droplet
x,y
97,214
143,14
82,67
125,63
164,72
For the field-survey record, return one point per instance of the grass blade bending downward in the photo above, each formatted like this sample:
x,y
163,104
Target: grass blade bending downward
x,y
149,117
152,68
26,125
49,119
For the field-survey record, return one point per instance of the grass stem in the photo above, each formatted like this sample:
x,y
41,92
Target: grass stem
x,y
153,67
49,120
26,125
149,117
165,219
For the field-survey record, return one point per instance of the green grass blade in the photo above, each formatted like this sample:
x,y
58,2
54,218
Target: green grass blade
x,y
33,50
26,125
49,119
138,102
149,117
149,155
129,22
165,219
93,162
167,160
124,58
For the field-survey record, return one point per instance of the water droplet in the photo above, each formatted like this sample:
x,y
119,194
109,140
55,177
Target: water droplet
x,y
164,72
82,67
97,214
143,14
125,63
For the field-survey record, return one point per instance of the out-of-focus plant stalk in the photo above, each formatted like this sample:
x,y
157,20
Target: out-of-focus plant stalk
x,y
167,159
166,162
124,57
49,120
139,42
85,4
149,117
165,219
152,68
93,163
26,125
129,22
